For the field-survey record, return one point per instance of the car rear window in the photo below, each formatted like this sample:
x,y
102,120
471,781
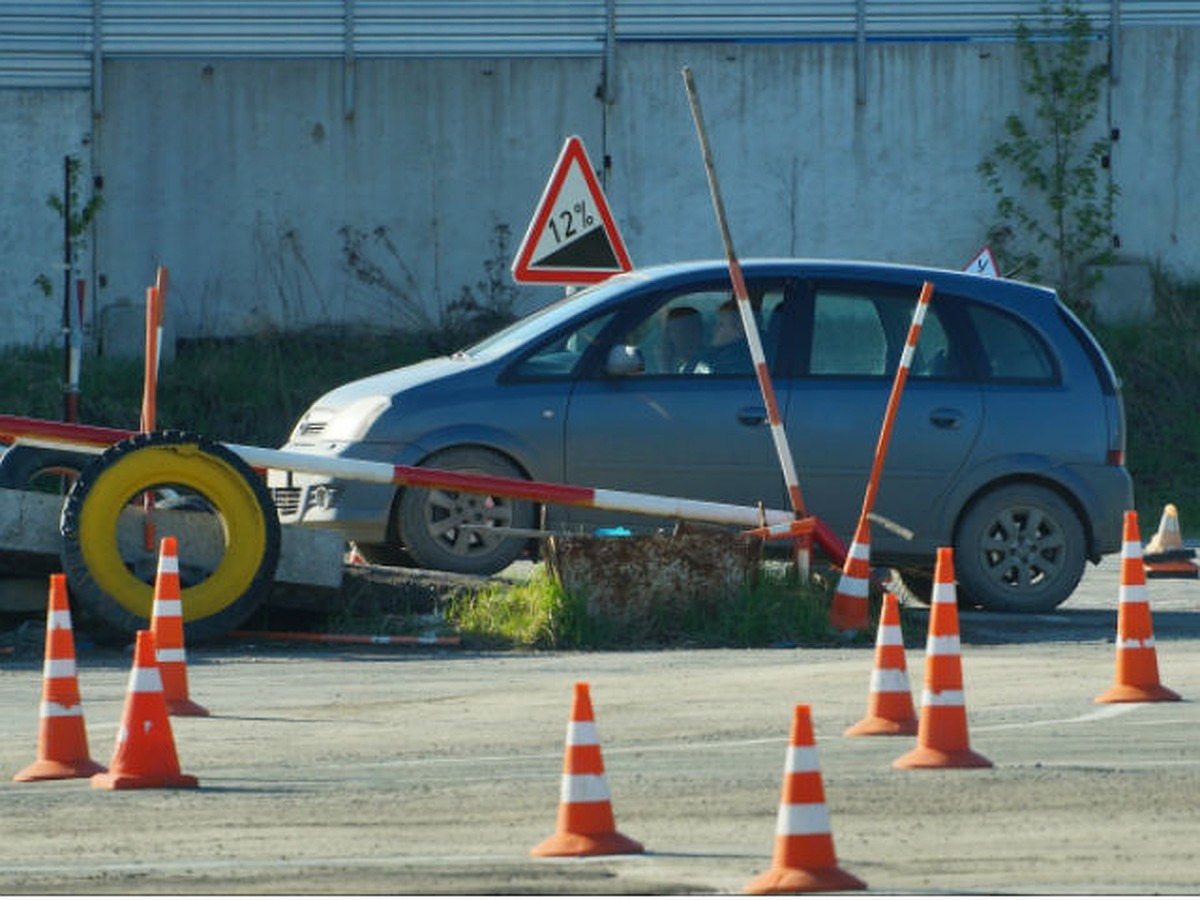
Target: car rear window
x,y
1012,351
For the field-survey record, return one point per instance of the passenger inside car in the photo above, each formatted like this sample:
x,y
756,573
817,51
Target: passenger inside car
x,y
729,353
683,339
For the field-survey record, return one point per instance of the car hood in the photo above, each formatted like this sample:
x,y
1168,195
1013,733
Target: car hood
x,y
394,381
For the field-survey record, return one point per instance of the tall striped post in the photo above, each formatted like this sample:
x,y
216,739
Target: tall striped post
x,y
849,607
803,542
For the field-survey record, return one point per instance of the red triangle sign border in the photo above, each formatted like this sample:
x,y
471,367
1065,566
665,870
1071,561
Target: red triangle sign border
x,y
523,268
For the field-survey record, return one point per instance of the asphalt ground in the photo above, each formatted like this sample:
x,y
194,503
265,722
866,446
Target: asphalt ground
x,y
352,770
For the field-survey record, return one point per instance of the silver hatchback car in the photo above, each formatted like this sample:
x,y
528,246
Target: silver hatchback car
x,y
1008,445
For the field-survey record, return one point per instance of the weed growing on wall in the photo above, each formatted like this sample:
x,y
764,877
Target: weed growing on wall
x,y
1052,194
80,217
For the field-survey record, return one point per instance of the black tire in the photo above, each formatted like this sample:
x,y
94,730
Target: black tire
x,y
1019,548
429,521
114,585
913,586
41,469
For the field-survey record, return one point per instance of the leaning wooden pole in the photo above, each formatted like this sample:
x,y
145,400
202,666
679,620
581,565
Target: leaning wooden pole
x,y
803,542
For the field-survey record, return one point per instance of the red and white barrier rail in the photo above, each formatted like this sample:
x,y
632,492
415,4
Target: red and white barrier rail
x,y
92,438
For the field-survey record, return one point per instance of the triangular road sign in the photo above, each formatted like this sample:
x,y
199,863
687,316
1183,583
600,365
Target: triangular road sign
x,y
572,238
983,264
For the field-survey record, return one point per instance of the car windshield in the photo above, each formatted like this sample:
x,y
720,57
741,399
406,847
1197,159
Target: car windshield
x,y
549,317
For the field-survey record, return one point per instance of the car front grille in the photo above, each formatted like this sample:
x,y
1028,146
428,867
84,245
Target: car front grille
x,y
287,500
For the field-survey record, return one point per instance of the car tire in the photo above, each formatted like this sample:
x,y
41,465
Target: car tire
x,y
1019,548
430,520
41,469
114,588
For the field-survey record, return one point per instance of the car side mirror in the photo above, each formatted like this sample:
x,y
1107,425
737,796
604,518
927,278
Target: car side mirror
x,y
625,360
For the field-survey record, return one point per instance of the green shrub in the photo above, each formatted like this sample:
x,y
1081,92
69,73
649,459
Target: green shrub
x,y
541,614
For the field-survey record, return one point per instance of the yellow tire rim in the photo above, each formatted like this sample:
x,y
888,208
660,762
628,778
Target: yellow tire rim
x,y
185,465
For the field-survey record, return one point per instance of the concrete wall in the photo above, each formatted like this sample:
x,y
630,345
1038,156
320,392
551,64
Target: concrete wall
x,y
243,176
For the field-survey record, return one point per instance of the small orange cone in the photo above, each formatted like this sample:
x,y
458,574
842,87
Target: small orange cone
x,y
144,755
848,609
1165,556
166,624
585,818
890,706
1137,660
62,736
804,857
942,741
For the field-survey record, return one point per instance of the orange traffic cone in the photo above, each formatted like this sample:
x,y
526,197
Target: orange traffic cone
x,y
942,741
1137,660
890,706
62,736
585,818
848,610
144,755
804,857
166,624
1165,556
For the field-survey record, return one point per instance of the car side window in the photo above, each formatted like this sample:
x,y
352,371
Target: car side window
x,y
561,355
861,332
700,333
848,335
1012,351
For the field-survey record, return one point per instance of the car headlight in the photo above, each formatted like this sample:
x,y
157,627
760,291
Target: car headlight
x,y
351,423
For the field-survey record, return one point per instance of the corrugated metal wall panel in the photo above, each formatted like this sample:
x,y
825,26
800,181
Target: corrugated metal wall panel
x,y
48,43
482,28
649,20
140,28
1160,12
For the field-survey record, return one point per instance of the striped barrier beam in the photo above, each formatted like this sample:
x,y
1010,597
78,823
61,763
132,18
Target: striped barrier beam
x,y
88,437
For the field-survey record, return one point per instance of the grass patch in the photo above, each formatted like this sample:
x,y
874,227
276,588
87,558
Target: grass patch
x,y
541,614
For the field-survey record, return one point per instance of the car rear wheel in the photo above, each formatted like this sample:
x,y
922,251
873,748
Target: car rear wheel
x,y
458,532
1019,548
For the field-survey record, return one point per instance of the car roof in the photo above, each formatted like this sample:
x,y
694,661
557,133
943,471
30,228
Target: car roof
x,y
1002,290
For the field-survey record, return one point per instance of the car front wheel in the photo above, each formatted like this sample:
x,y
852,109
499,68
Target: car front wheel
x,y
1019,548
454,531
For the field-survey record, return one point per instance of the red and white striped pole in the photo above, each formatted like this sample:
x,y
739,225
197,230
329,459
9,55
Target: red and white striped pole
x,y
803,541
889,415
849,606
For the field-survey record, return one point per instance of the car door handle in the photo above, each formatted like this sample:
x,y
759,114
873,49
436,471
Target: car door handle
x,y
752,415
948,419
